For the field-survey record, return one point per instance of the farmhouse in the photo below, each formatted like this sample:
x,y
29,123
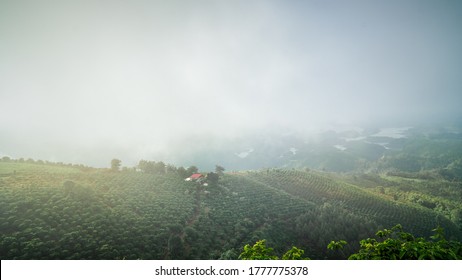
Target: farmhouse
x,y
195,177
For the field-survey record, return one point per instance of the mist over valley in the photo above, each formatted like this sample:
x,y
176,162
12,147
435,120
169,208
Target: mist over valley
x,y
213,129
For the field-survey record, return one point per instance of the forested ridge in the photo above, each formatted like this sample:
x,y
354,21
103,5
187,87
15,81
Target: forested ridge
x,y
59,211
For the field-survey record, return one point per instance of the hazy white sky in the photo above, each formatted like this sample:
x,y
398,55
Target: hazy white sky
x,y
85,81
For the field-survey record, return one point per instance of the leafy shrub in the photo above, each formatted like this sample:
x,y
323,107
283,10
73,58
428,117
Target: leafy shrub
x,y
259,251
397,244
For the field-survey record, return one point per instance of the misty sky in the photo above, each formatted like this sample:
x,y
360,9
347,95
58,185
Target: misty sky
x,y
86,81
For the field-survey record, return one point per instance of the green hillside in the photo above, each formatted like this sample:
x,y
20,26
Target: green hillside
x,y
385,209
56,211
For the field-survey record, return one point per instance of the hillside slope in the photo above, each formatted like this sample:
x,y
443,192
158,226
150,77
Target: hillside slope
x,y
71,212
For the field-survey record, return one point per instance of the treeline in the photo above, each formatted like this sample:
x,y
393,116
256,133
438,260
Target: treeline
x,y
159,168
150,167
45,162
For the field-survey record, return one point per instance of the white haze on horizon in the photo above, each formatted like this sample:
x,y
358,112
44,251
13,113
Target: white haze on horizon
x,y
87,81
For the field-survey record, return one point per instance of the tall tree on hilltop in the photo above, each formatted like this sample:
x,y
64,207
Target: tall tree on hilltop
x,y
192,169
182,172
115,164
159,167
219,170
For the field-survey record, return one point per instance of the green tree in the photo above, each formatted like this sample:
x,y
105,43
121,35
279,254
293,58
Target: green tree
x,y
170,169
336,245
6,159
115,164
396,244
151,167
294,254
259,251
144,166
231,254
182,172
212,178
159,167
175,247
191,170
219,170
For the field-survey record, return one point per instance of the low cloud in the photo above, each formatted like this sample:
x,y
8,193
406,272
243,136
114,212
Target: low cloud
x,y
82,81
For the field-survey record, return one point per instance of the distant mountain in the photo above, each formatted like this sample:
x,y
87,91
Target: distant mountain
x,y
409,149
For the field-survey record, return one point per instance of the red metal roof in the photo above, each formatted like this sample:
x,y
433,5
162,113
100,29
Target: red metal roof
x,y
196,176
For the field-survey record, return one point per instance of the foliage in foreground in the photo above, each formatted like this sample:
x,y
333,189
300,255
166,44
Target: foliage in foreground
x,y
259,251
397,244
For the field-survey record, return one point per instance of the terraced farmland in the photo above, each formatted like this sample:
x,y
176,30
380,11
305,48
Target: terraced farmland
x,y
69,212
